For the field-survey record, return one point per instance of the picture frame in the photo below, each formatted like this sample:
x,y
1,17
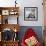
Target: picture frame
x,y
13,20
5,12
30,13
10,19
13,12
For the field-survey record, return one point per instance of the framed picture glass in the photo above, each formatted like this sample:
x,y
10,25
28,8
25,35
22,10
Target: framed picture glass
x,y
5,12
10,19
30,13
13,20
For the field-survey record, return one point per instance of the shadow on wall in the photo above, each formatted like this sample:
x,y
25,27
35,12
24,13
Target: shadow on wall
x,y
37,29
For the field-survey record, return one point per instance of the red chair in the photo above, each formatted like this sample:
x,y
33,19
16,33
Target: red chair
x,y
29,33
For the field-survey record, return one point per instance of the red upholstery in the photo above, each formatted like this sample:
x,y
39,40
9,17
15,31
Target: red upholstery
x,y
29,33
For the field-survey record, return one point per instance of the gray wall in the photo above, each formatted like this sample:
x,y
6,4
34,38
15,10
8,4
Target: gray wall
x,y
37,29
26,3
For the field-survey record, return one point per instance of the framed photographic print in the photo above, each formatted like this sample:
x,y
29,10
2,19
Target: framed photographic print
x,y
10,19
30,13
13,20
5,12
13,12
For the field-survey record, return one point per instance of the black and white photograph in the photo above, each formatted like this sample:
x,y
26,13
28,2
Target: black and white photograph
x,y
30,13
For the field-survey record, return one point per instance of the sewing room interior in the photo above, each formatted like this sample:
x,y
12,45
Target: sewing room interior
x,y
22,22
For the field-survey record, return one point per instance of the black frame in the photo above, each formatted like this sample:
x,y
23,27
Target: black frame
x,y
34,19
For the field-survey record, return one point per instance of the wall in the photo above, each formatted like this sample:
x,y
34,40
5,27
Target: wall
x,y
26,3
31,3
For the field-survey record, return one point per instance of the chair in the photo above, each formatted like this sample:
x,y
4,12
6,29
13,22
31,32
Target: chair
x,y
28,34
